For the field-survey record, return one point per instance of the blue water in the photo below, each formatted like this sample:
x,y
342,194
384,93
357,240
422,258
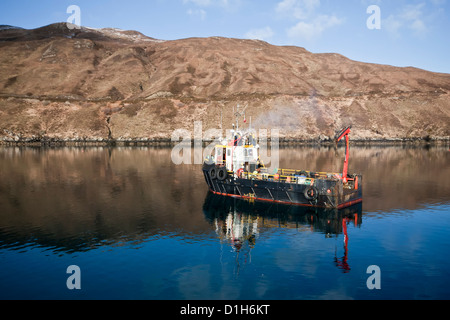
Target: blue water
x,y
140,233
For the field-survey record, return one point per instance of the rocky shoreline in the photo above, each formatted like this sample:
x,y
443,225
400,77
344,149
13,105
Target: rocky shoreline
x,y
164,142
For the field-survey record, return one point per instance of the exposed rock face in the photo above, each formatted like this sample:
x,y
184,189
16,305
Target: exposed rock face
x,y
99,84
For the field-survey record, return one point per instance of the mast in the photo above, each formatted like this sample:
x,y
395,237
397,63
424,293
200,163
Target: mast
x,y
238,114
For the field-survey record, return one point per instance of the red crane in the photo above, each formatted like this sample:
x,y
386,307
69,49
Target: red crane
x,y
344,133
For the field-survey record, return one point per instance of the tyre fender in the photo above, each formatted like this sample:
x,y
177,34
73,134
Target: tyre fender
x,y
311,193
213,173
222,174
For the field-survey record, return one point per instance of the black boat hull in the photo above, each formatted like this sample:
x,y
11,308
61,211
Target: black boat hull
x,y
325,193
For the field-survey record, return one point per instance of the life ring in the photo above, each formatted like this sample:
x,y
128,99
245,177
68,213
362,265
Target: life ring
x,y
239,172
311,193
222,173
213,173
208,160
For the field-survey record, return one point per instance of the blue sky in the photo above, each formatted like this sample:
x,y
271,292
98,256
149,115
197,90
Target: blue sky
x,y
411,33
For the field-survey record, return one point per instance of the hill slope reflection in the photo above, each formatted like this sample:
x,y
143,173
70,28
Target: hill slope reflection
x,y
78,199
239,222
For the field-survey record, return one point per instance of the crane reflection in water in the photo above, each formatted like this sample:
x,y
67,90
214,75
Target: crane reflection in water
x,y
238,223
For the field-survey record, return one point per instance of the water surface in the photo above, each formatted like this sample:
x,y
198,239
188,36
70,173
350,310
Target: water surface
x,y
140,227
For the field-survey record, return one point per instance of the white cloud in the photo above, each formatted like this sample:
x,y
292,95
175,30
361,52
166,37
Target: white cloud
x,y
412,12
314,28
198,6
209,3
197,12
392,25
411,17
302,30
200,3
370,2
260,34
438,2
311,22
419,27
299,9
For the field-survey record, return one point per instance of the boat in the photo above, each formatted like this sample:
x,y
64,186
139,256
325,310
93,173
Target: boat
x,y
234,169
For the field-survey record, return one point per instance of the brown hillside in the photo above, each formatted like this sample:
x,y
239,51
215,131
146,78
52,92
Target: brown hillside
x,y
106,83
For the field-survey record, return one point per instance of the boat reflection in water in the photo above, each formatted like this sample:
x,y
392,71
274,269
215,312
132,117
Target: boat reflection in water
x,y
239,222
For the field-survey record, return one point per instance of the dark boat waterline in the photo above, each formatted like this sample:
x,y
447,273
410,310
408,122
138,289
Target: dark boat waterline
x,y
341,206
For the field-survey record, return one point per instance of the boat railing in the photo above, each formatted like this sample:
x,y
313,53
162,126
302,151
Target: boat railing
x,y
290,176
277,178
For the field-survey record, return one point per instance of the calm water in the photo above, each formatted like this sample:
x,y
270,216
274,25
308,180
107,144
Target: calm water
x,y
140,227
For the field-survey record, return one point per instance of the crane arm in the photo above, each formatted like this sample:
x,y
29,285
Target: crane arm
x,y
344,133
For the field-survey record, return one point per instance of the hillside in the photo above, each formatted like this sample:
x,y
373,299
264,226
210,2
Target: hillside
x,y
98,84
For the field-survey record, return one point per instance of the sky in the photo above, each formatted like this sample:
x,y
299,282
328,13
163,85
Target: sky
x,y
395,32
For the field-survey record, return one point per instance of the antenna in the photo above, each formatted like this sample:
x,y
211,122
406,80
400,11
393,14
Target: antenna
x,y
239,113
